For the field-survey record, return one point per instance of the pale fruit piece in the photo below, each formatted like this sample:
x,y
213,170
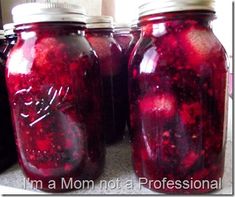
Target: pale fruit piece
x,y
162,105
199,45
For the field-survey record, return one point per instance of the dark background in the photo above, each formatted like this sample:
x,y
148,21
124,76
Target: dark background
x,y
0,16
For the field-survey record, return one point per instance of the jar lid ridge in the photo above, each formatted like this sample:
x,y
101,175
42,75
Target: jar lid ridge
x,y
162,6
99,22
48,12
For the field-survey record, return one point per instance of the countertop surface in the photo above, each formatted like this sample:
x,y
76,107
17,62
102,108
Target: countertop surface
x,y
118,177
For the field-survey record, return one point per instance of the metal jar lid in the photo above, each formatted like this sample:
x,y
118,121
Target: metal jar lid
x,y
94,22
163,6
9,29
122,28
48,12
2,37
135,24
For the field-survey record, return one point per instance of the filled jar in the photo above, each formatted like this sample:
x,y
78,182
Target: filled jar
x,y
114,80
178,98
8,155
53,82
10,36
122,34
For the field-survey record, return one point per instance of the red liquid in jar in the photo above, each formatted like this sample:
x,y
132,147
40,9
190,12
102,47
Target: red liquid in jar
x,y
54,88
114,83
178,81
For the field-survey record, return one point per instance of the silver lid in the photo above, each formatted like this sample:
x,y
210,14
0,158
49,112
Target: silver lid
x,y
2,35
135,24
122,27
162,6
99,22
48,12
9,29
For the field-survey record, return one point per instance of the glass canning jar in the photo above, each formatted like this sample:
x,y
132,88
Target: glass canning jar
x,y
114,79
8,155
53,82
178,97
11,38
122,34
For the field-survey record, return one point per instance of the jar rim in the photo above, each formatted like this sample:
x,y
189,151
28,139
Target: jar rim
x,y
122,28
163,6
99,22
9,29
135,24
48,12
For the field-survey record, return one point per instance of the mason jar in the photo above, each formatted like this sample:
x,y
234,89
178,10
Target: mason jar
x,y
178,98
114,76
53,81
8,155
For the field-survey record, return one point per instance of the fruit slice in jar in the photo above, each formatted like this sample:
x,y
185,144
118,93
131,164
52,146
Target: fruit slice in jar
x,y
199,44
162,105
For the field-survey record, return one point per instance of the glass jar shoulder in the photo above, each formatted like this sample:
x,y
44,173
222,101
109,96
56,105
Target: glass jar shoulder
x,y
193,47
34,50
49,60
104,45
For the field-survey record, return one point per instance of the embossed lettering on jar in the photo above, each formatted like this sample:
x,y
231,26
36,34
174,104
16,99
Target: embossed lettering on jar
x,y
113,73
178,96
54,88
